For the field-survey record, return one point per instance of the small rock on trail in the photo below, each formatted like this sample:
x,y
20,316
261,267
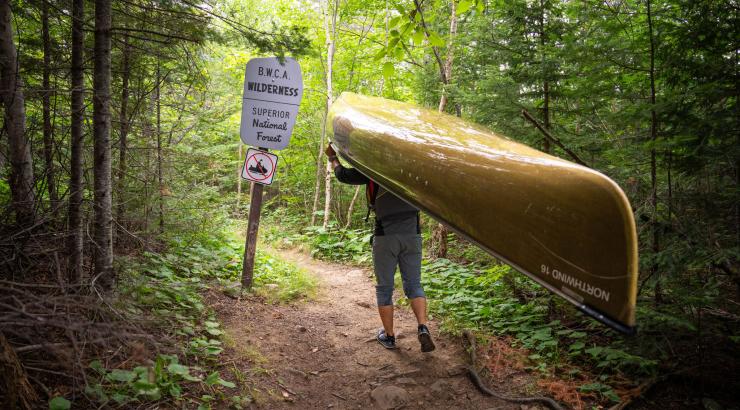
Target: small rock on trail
x,y
390,397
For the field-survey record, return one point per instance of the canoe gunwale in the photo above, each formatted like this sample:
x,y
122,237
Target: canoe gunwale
x,y
583,307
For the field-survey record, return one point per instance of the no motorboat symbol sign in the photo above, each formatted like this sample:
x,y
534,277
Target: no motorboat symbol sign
x,y
259,166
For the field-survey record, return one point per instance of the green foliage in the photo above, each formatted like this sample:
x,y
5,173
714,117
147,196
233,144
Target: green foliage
x,y
615,359
4,190
167,287
166,378
486,299
337,244
602,389
59,403
475,297
352,245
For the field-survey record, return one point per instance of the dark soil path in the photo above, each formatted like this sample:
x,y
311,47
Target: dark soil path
x,y
322,354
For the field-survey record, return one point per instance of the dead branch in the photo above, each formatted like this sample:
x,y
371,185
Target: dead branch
x,y
51,333
550,137
33,285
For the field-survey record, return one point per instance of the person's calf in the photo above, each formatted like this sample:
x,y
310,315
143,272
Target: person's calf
x,y
386,317
419,306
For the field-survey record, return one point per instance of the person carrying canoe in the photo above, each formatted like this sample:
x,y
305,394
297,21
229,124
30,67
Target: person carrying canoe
x,y
396,242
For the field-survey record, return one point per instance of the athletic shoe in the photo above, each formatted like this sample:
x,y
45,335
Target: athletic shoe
x,y
425,338
389,342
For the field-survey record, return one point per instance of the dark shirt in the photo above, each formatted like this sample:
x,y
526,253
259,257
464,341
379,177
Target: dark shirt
x,y
393,215
350,176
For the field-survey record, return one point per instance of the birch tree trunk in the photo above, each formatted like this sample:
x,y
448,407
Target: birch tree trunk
x,y
352,206
330,36
11,93
46,109
103,248
319,172
74,244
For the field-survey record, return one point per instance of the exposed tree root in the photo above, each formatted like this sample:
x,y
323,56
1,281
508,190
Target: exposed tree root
x,y
475,377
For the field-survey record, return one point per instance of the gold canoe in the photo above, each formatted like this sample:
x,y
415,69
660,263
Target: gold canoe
x,y
566,226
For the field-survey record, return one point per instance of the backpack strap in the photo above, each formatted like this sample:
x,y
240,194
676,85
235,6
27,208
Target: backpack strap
x,y
371,192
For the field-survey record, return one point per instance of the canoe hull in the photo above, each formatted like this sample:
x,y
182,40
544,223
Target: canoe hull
x,y
568,227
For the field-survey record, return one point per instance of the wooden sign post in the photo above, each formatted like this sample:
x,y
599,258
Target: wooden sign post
x,y
272,94
253,225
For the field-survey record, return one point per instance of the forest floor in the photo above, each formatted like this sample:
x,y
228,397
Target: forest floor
x,y
322,353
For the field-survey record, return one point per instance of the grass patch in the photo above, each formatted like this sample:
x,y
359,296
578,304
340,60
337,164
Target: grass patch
x,y
244,350
281,281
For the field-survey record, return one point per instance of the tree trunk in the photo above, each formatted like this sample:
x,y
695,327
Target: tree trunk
x,y
15,388
669,165
78,112
103,249
123,130
46,108
239,178
330,35
737,200
447,67
653,161
352,206
545,83
439,233
327,194
319,173
546,116
147,133
159,154
11,92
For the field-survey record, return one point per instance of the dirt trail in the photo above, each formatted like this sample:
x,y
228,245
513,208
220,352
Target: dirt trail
x,y
322,354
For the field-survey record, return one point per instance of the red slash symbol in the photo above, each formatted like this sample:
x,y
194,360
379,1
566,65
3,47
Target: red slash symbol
x,y
260,167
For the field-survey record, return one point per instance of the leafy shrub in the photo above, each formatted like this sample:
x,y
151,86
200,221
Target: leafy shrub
x,y
165,378
485,299
337,244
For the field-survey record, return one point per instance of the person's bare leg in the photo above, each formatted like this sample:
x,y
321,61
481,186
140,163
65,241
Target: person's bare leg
x,y
386,316
419,306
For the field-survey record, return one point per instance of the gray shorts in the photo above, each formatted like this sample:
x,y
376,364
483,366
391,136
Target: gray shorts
x,y
403,251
